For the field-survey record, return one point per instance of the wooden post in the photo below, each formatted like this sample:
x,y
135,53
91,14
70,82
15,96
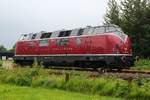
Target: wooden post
x,y
67,77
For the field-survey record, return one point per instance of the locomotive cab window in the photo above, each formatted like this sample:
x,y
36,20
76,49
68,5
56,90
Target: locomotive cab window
x,y
62,42
64,33
46,35
21,37
80,32
24,37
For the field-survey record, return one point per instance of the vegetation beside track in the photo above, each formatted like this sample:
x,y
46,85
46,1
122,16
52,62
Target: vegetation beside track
x,y
76,82
142,64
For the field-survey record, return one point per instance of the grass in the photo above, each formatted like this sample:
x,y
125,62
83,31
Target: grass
x,y
142,64
43,78
11,92
37,77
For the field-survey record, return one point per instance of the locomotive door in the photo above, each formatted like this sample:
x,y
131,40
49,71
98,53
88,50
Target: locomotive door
x,y
88,45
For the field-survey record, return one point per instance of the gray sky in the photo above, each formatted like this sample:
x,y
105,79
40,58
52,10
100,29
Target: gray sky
x,y
26,16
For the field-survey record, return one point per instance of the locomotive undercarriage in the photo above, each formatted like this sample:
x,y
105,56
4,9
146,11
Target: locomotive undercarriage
x,y
110,62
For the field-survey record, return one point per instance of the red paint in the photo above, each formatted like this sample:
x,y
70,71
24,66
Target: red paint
x,y
108,43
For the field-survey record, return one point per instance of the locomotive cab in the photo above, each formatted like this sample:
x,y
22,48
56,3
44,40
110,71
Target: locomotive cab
x,y
122,47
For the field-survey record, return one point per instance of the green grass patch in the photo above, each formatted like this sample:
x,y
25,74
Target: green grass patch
x,y
11,92
142,64
78,82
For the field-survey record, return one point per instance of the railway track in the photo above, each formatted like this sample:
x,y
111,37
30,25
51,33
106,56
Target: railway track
x,y
126,74
104,70
134,71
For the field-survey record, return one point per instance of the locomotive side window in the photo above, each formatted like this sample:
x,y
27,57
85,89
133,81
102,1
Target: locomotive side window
x,y
80,32
43,43
46,35
111,29
33,36
38,35
99,30
88,31
64,33
55,34
62,42
74,32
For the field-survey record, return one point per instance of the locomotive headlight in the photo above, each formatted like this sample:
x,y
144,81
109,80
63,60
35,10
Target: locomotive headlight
x,y
125,48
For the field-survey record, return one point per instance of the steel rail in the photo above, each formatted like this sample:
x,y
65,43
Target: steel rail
x,y
128,71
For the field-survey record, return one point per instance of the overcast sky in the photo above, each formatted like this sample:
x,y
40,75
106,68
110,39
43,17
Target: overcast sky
x,y
26,16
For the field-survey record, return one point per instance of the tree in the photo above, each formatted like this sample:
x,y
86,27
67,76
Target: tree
x,y
13,48
2,48
112,16
134,19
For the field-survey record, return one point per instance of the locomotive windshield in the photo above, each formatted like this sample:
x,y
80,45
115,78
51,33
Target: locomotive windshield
x,y
118,31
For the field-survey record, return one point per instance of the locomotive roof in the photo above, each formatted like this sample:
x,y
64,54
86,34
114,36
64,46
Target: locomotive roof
x,y
74,32
106,25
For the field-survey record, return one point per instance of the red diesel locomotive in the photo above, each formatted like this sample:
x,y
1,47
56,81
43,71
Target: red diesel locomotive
x,y
91,47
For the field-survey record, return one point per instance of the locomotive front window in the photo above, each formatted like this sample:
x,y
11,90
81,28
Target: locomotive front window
x,y
24,37
120,34
21,37
117,31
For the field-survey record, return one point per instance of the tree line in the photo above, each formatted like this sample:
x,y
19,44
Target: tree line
x,y
3,49
133,16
